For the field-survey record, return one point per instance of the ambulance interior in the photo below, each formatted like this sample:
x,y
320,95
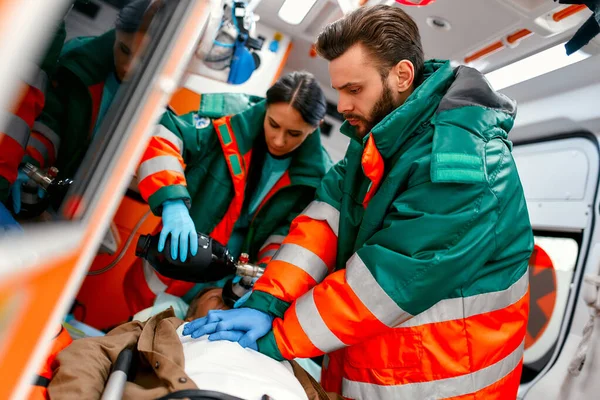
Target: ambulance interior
x,y
71,255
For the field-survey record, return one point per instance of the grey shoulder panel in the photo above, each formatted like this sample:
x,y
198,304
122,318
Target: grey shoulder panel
x,y
470,88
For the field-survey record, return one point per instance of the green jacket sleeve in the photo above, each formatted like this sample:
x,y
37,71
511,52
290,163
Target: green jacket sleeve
x,y
433,238
330,192
436,240
47,64
176,141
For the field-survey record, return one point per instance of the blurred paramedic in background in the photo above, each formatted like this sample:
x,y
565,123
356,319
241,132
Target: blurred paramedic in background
x,y
240,169
84,84
15,134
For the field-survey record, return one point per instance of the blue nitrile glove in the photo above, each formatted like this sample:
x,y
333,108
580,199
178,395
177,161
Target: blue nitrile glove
x,y
15,190
240,302
7,222
225,325
177,222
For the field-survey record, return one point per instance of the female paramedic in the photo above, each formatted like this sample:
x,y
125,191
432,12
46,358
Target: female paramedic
x,y
239,169
86,79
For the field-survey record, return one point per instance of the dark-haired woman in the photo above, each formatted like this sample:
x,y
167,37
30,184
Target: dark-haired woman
x,y
240,169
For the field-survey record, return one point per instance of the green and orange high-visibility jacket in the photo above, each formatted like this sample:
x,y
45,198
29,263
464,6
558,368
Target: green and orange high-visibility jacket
x,y
63,133
203,158
16,135
410,268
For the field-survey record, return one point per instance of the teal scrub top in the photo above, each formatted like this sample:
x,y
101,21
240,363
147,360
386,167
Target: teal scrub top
x,y
273,169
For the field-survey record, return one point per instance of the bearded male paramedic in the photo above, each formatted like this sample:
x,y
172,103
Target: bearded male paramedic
x,y
409,270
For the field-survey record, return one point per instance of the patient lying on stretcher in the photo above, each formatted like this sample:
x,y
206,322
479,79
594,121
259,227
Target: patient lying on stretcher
x,y
168,362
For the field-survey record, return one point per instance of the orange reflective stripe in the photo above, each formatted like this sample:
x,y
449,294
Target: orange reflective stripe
x,y
312,246
41,149
157,147
316,237
161,165
490,344
96,95
167,139
49,135
343,311
294,341
373,168
153,183
281,183
443,345
11,155
15,127
31,105
237,165
284,281
37,156
328,317
440,388
13,141
322,211
505,388
266,253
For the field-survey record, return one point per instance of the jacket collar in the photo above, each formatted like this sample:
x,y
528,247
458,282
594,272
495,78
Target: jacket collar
x,y
93,61
309,162
395,129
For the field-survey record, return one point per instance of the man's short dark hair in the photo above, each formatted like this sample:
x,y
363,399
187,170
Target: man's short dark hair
x,y
387,32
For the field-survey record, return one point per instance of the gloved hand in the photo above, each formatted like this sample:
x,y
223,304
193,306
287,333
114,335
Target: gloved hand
x,y
177,222
240,302
243,325
7,222
15,190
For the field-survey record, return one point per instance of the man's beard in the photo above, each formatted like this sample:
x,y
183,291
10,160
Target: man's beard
x,y
384,106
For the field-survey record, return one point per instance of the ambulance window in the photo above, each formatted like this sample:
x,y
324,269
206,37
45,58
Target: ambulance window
x,y
551,268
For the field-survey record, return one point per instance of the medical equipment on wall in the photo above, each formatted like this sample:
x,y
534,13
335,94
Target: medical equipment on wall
x,y
234,56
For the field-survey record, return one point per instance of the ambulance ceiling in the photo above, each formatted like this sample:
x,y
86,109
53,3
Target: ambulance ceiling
x,y
504,30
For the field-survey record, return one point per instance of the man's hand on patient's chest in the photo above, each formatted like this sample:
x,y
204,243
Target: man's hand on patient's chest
x,y
243,325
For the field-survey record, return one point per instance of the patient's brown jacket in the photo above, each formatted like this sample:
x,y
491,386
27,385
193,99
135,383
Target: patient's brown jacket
x,y
85,365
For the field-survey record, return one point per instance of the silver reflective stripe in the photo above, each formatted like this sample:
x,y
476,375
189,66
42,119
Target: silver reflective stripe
x,y
304,259
158,164
16,128
39,146
326,361
38,79
49,134
438,389
166,134
458,308
269,253
313,325
152,280
371,294
322,211
273,239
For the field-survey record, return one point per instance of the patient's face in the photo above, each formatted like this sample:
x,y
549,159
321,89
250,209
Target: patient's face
x,y
212,299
